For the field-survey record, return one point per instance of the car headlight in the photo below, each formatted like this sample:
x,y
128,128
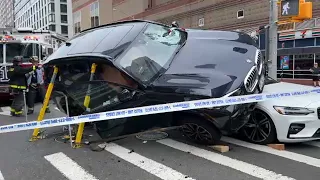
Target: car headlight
x,y
292,110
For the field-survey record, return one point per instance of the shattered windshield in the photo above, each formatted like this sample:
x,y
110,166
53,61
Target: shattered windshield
x,y
151,52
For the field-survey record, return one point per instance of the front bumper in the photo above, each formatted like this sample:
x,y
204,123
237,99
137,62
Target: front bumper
x,y
297,128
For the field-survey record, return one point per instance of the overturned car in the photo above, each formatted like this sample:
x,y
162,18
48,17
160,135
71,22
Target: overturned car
x,y
140,63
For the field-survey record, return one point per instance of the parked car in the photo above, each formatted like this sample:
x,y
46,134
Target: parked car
x,y
294,119
142,63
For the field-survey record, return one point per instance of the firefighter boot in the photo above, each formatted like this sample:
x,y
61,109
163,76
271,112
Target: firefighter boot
x,y
30,111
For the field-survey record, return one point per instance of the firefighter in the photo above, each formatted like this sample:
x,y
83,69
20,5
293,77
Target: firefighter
x,y
36,85
18,83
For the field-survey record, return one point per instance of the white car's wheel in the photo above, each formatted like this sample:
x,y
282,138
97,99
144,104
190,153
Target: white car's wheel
x,y
260,129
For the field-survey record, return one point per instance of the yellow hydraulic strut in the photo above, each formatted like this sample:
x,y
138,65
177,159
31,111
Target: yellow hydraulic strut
x,y
86,104
35,135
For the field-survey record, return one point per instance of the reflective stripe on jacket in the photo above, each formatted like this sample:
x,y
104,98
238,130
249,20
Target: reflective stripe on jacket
x,y
17,76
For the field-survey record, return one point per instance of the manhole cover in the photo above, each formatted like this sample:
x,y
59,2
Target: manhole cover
x,y
152,136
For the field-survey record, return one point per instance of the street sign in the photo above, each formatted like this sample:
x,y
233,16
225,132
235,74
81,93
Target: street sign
x,y
290,8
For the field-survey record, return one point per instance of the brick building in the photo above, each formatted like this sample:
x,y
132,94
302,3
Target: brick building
x,y
299,52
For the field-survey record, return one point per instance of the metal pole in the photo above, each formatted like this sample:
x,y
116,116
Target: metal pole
x,y
25,106
70,133
273,39
267,58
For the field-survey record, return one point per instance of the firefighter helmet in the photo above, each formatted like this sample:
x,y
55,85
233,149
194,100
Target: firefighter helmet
x,y
17,59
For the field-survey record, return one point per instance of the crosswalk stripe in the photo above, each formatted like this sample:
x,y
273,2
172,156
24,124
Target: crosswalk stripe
x,y
313,143
153,167
1,176
244,167
285,154
68,167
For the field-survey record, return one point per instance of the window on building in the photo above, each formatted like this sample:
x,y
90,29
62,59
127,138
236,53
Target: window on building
x,y
240,14
63,1
77,22
63,8
317,41
285,44
77,28
64,29
51,7
94,12
285,66
64,19
52,18
52,27
150,4
304,42
317,58
302,64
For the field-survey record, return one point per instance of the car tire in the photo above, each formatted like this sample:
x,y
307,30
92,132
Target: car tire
x,y
260,129
199,130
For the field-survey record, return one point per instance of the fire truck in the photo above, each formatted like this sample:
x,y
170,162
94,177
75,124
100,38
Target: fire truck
x,y
24,42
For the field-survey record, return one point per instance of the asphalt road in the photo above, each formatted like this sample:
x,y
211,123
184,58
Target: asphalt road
x,y
172,158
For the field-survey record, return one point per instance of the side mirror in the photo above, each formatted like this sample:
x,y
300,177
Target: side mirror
x,y
125,95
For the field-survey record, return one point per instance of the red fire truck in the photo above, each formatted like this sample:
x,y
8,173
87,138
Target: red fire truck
x,y
24,42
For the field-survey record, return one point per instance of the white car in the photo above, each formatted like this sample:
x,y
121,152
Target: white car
x,y
290,119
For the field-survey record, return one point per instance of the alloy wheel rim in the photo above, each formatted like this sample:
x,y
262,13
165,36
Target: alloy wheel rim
x,y
196,132
258,128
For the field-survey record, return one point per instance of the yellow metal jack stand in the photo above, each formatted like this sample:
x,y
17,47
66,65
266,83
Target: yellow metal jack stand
x,y
86,104
36,135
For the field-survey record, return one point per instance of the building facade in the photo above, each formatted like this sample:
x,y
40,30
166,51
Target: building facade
x,y
53,15
297,52
6,13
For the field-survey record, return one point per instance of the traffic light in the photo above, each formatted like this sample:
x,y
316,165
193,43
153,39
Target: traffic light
x,y
296,9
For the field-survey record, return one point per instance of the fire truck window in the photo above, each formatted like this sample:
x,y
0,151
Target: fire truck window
x,y
15,49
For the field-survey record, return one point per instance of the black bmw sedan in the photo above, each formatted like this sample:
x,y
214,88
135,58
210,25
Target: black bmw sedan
x,y
140,63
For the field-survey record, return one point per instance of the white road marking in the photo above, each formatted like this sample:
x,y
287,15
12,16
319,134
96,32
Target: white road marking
x,y
1,176
313,143
5,111
285,154
68,167
244,167
153,167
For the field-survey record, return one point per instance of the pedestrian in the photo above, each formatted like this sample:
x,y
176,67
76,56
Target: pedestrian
x,y
18,83
36,85
315,74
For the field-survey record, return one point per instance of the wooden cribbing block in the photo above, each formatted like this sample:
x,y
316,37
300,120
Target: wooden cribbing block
x,y
220,148
277,146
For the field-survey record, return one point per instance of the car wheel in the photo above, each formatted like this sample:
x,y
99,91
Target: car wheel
x,y
200,131
260,128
